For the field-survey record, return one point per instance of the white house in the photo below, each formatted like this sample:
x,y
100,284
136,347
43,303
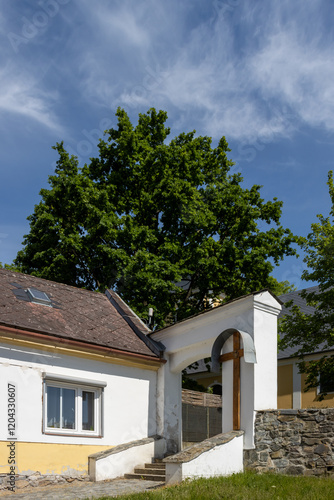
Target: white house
x,y
82,376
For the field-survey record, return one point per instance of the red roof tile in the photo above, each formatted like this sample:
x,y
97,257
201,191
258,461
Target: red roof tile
x,y
76,314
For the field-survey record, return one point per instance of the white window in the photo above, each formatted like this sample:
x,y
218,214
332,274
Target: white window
x,y
72,408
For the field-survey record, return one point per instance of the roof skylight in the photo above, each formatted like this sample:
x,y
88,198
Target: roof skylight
x,y
39,297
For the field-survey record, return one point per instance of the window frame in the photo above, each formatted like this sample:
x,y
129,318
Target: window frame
x,y
79,386
319,388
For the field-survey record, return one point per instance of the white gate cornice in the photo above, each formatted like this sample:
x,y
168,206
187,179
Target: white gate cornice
x,y
188,335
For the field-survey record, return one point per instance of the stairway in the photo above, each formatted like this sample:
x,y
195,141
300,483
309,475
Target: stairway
x,y
155,471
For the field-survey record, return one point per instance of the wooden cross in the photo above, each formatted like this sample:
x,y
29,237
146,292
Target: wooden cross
x,y
235,355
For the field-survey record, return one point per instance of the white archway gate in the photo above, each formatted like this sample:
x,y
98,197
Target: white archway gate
x,y
254,319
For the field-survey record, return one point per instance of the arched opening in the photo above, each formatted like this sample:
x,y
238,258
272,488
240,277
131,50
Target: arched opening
x,y
216,388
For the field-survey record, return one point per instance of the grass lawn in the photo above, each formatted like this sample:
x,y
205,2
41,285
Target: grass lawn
x,y
248,486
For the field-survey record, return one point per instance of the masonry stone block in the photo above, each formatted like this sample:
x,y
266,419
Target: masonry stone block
x,y
293,442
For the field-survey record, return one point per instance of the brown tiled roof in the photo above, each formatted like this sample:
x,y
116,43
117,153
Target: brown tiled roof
x,y
76,314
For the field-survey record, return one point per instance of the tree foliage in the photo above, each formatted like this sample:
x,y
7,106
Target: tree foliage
x,y
9,267
165,224
315,332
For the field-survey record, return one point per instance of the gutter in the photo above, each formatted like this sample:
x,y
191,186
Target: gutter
x,y
76,343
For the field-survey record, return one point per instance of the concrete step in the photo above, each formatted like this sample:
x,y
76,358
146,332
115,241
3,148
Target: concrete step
x,y
155,465
150,470
148,477
156,471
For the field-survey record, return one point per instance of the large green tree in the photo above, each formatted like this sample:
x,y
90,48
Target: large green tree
x,y
166,224
315,331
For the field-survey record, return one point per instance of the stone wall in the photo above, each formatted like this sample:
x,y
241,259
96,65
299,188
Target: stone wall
x,y
293,442
36,479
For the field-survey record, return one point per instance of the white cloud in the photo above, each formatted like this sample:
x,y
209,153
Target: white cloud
x,y
299,73
125,39
122,24
280,76
253,71
21,95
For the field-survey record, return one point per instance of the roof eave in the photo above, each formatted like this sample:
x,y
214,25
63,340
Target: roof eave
x,y
79,344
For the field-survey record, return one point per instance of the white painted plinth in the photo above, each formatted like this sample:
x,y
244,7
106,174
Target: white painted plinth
x,y
112,464
221,460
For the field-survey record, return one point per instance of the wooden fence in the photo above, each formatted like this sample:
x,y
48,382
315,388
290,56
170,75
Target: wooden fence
x,y
201,399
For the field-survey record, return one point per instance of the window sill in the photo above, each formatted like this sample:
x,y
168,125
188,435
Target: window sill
x,y
50,433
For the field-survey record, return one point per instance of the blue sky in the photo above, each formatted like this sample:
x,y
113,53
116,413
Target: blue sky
x,y
259,73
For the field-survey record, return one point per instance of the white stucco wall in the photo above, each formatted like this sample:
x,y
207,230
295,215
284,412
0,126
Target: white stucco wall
x,y
222,460
129,398
118,464
265,338
169,407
